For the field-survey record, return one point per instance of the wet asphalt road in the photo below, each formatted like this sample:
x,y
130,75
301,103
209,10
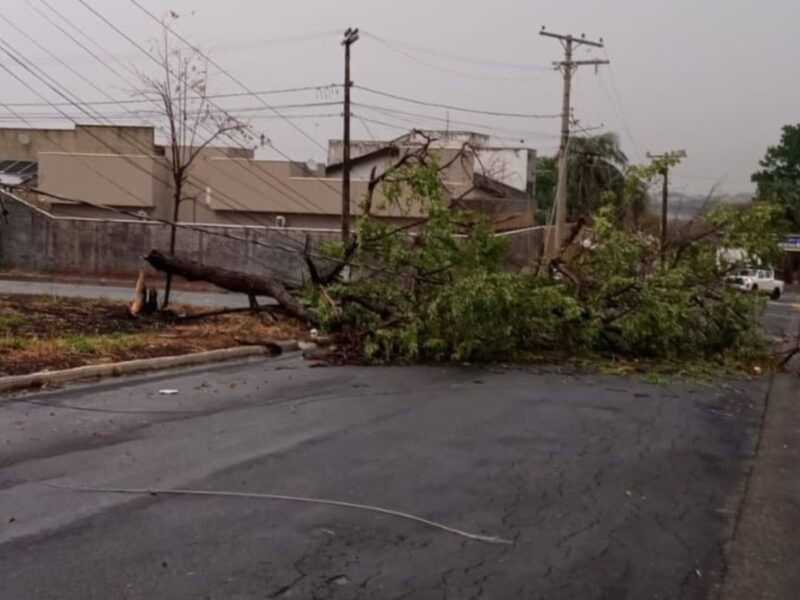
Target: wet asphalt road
x,y
609,487
780,317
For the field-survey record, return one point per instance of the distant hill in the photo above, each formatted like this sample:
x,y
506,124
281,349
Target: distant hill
x,y
686,206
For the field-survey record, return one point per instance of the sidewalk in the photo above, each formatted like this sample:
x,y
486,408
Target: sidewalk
x,y
764,554
119,293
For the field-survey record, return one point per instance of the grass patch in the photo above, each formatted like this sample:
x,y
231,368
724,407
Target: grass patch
x,y
10,321
655,378
12,342
44,333
97,345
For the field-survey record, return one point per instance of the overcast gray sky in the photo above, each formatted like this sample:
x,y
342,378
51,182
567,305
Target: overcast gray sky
x,y
717,78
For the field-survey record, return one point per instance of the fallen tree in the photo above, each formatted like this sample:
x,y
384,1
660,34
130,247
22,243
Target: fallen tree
x,y
233,281
436,289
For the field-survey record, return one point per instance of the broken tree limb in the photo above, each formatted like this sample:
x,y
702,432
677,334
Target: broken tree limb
x,y
135,306
233,281
145,299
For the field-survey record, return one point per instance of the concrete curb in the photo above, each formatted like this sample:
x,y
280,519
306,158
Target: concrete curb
x,y
19,382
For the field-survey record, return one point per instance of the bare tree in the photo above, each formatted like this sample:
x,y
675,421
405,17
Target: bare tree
x,y
189,121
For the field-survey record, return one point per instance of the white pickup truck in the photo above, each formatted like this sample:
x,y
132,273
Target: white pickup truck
x,y
758,280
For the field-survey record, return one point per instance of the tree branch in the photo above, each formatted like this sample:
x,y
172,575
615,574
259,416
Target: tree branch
x,y
230,280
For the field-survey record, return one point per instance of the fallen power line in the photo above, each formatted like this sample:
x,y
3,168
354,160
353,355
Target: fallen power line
x,y
490,539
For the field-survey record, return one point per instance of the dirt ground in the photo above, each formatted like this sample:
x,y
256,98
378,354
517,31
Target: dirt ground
x,y
41,333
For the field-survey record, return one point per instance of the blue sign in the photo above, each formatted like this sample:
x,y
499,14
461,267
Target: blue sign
x,y
792,243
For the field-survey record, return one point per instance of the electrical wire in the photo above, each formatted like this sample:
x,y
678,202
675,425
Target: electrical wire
x,y
458,57
227,47
389,110
441,69
321,89
134,117
241,109
122,211
300,251
60,15
53,85
135,215
211,62
410,125
4,48
617,101
455,108
216,65
490,539
226,111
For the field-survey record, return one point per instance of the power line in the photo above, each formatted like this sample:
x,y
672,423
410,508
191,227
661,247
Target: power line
x,y
316,88
54,86
220,111
151,57
185,226
116,184
217,66
47,135
385,109
257,43
224,234
366,127
441,69
410,126
618,103
139,117
459,57
212,62
456,108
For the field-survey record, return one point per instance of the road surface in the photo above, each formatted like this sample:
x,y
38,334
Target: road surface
x,y
608,487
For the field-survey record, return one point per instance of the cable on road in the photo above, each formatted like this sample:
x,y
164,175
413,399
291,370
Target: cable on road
x,y
280,497
113,411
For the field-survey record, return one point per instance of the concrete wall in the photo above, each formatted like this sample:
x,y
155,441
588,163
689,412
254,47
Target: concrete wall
x,y
278,188
115,180
26,144
525,246
33,241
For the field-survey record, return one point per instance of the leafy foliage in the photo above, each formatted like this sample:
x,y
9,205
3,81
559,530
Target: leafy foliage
x,y
639,306
441,294
596,165
779,179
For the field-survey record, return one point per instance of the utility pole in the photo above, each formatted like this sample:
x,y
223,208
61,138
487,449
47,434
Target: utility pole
x,y
567,67
664,162
350,37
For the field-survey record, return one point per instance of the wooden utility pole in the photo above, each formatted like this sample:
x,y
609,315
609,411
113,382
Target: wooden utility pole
x,y
350,37
567,67
665,161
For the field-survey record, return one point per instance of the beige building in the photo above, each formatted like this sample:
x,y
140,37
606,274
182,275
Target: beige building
x,y
123,168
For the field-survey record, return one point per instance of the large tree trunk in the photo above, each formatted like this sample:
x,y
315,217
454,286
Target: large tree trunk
x,y
230,280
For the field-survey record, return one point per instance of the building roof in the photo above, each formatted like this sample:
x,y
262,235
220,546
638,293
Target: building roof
x,y
496,189
17,172
388,150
